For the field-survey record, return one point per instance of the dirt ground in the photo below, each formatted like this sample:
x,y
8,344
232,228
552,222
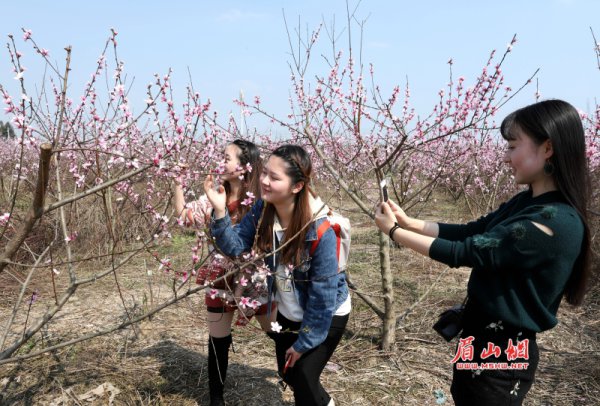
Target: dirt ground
x,y
162,361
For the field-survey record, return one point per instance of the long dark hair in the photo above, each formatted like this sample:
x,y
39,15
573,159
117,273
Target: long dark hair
x,y
249,154
299,169
559,122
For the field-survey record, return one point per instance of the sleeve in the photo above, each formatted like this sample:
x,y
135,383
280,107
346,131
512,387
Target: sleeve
x,y
322,294
233,241
198,212
515,245
458,232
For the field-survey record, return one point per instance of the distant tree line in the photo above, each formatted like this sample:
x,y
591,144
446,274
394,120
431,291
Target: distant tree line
x,y
6,130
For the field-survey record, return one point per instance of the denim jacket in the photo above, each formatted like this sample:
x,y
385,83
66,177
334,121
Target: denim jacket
x,y
320,289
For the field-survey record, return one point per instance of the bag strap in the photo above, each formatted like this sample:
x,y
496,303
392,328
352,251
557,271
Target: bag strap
x,y
321,230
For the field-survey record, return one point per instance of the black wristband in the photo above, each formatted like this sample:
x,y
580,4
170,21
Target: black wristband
x,y
393,230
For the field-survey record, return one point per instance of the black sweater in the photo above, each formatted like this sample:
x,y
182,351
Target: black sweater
x,y
519,269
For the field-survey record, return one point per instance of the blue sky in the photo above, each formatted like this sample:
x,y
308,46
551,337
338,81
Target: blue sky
x,y
233,45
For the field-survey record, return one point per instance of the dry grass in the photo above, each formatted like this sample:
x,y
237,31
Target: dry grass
x,y
163,361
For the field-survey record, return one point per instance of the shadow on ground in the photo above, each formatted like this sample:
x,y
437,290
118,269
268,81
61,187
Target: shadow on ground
x,y
184,373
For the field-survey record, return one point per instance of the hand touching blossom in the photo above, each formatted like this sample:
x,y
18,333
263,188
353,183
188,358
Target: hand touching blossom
x,y
218,198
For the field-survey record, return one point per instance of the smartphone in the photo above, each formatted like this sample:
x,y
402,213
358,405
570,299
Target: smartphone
x,y
384,191
287,364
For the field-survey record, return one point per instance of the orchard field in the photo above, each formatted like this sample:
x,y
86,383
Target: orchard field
x,y
162,361
98,303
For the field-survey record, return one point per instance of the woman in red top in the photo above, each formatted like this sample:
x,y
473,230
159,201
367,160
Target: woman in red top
x,y
242,168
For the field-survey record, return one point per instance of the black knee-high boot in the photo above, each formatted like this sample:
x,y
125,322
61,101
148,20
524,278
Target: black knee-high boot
x,y
218,359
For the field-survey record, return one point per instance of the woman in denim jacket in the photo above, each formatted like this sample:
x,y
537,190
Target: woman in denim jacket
x,y
313,300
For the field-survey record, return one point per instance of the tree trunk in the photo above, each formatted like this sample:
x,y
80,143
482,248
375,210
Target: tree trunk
x,y
35,211
388,335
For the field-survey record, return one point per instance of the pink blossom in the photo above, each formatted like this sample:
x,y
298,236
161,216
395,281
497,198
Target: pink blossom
x,y
243,281
249,200
220,168
165,262
19,121
244,302
248,255
213,293
26,34
71,237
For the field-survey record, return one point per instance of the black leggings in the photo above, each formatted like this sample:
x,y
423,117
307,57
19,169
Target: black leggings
x,y
304,376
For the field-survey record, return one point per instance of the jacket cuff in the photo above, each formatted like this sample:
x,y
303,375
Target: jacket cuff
x,y
218,225
299,347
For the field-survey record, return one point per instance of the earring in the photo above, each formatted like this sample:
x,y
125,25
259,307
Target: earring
x,y
549,168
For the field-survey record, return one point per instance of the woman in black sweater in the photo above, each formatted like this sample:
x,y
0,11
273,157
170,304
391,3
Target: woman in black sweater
x,y
525,256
